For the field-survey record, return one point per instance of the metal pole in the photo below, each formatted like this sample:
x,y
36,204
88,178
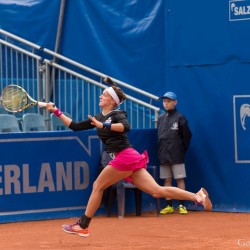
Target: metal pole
x,y
60,26
57,44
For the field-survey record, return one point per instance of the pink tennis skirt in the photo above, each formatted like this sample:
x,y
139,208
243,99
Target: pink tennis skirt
x,y
129,160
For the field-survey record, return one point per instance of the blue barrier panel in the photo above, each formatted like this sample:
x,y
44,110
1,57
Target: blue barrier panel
x,y
50,174
46,173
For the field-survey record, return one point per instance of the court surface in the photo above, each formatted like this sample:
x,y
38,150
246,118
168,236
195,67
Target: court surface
x,y
197,230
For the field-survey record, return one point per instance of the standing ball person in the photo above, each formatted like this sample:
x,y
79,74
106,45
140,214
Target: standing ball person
x,y
174,137
112,127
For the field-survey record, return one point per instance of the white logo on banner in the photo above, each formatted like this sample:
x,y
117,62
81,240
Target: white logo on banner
x,y
241,128
239,10
244,112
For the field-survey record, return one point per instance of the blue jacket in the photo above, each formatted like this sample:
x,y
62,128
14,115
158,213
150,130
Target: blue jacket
x,y
174,137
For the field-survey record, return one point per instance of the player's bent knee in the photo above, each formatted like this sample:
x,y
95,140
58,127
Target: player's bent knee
x,y
157,193
97,186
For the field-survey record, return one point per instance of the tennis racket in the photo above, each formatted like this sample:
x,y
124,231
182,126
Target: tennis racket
x,y
15,99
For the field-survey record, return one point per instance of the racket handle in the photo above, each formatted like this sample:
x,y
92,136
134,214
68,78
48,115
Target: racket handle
x,y
42,104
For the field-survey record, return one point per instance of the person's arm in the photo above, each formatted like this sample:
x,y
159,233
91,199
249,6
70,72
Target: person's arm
x,y
185,132
52,108
118,127
75,126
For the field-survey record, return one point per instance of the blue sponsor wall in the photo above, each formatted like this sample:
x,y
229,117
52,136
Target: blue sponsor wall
x,y
199,49
50,174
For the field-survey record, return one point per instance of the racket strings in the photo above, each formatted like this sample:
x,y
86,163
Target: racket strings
x,y
14,99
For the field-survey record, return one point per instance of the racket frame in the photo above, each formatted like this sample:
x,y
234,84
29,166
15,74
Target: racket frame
x,y
30,101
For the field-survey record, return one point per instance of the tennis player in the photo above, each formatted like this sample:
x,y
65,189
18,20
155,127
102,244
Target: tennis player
x,y
112,127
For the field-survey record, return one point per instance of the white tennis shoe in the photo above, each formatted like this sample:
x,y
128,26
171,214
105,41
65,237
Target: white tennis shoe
x,y
203,199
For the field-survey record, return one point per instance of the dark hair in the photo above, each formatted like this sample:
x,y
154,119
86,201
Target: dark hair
x,y
117,90
108,80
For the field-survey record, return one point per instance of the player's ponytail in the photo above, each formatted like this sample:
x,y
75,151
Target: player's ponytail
x,y
109,81
118,90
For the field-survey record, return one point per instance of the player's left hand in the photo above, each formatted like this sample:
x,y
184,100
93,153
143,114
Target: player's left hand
x,y
95,122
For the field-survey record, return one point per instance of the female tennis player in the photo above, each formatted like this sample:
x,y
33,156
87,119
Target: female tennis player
x,y
128,164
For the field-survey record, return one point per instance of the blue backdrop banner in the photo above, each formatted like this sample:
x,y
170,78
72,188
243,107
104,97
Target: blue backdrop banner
x,y
198,49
